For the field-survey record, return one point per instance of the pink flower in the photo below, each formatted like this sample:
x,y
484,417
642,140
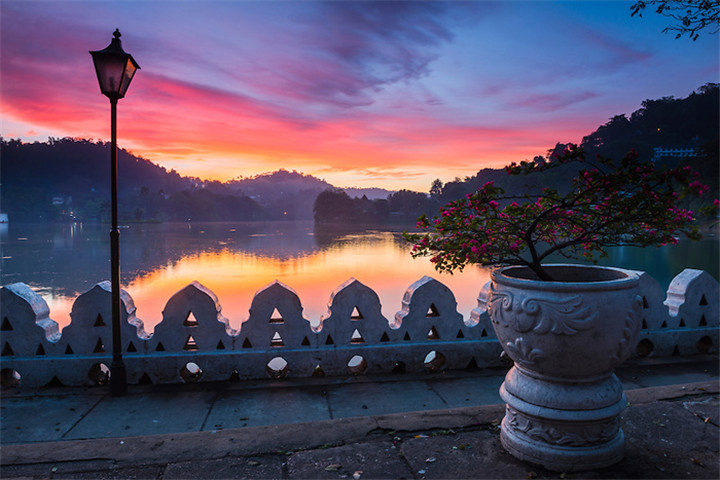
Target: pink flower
x,y
698,187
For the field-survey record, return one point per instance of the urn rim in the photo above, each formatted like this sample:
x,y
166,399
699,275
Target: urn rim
x,y
599,277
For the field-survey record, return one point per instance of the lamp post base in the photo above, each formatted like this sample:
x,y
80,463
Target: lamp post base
x,y
118,379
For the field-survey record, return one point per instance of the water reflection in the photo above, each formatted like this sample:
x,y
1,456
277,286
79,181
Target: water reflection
x,y
236,259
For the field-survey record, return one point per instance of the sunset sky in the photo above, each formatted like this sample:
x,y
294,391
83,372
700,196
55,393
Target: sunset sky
x,y
361,94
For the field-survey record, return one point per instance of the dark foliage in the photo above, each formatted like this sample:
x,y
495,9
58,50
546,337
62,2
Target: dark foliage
x,y
69,179
336,206
689,17
667,123
285,195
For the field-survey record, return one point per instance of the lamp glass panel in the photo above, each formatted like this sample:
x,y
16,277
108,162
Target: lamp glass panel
x,y
110,71
128,74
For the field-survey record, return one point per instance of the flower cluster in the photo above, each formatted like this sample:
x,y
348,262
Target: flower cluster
x,y
631,202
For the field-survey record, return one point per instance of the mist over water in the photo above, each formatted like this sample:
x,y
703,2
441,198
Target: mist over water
x,y
235,260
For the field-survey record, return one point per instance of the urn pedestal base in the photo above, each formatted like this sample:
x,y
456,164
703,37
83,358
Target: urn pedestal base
x,y
562,425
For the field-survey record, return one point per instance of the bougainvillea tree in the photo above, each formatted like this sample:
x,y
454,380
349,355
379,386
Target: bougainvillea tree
x,y
630,202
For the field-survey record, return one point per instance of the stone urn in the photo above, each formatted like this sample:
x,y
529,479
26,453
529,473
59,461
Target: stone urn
x,y
563,400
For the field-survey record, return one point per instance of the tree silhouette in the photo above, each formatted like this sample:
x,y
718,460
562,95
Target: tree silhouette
x,y
690,16
436,188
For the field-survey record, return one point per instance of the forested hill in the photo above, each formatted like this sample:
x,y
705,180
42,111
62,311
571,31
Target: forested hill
x,y
69,179
691,122
66,179
285,195
668,123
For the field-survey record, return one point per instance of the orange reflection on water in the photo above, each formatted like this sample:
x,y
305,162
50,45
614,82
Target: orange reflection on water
x,y
376,260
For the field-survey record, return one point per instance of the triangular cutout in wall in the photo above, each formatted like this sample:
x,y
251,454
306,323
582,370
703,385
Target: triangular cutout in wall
x,y
275,316
99,346
190,320
190,344
357,338
99,322
277,341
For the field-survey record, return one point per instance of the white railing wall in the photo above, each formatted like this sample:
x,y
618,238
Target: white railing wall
x,y
194,342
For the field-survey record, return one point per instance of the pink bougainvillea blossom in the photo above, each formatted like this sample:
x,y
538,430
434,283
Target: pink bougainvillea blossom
x,y
630,202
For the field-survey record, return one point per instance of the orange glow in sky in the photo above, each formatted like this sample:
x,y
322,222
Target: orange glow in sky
x,y
364,94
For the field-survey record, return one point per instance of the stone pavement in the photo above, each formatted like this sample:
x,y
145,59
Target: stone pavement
x,y
402,426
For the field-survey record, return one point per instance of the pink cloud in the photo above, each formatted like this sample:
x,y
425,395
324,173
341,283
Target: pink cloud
x,y
553,101
620,52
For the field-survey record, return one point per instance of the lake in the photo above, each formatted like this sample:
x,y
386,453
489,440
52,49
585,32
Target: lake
x,y
235,260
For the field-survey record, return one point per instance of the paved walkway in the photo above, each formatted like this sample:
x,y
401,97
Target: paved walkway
x,y
401,426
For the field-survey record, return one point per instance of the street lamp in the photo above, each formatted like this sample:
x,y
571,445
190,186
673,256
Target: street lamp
x,y
115,70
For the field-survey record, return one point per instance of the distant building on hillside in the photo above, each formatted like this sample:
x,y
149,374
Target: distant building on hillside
x,y
674,152
58,200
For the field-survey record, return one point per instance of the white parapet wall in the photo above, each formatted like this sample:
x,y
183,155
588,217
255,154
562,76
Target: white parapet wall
x,y
194,342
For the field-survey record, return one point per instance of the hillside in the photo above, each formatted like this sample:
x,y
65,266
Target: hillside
x,y
370,193
69,179
692,122
668,123
285,195
66,179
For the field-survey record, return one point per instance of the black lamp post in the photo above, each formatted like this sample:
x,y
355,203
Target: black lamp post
x,y
115,70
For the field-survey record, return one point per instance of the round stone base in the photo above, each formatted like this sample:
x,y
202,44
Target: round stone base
x,y
561,458
562,425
